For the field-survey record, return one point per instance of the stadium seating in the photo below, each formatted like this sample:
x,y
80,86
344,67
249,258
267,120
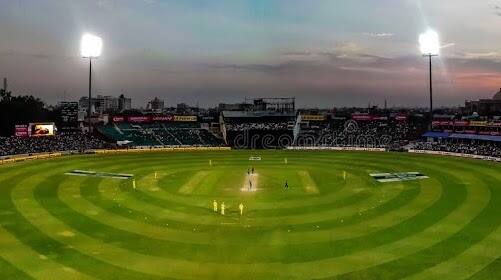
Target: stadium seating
x,y
160,134
61,142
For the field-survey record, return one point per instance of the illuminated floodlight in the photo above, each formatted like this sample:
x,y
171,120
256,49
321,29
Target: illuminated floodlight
x,y
91,46
430,43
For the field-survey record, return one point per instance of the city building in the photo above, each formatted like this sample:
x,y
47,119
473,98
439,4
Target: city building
x,y
101,104
485,107
156,105
124,103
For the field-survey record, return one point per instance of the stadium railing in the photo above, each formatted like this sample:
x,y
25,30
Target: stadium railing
x,y
17,158
25,157
317,148
471,156
162,149
455,155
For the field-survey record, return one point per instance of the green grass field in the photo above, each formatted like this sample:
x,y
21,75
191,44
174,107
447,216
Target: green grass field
x,y
56,226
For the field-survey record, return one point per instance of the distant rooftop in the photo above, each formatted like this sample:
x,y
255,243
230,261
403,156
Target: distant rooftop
x,y
497,96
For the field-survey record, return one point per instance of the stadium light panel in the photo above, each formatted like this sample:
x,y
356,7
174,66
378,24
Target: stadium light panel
x,y
430,43
91,46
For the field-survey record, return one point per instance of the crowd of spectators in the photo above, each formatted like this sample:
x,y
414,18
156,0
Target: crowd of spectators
x,y
482,148
381,134
258,126
61,142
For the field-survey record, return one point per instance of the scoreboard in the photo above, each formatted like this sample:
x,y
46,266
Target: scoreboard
x,y
69,115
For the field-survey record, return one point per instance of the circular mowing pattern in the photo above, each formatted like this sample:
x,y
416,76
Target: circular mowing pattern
x,y
53,225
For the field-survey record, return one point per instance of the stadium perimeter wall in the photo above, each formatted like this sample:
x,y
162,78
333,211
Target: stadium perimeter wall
x,y
455,155
18,158
163,149
337,149
383,150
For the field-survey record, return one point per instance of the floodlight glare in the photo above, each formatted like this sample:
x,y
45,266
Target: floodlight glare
x,y
91,46
430,43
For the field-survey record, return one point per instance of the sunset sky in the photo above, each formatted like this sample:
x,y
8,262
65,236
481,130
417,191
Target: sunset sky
x,y
324,52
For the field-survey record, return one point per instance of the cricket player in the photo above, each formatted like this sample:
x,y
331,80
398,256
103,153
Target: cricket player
x,y
250,185
222,208
285,161
134,184
155,175
286,184
215,205
241,207
344,175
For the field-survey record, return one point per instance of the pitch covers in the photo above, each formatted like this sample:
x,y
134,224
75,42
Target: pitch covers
x,y
398,177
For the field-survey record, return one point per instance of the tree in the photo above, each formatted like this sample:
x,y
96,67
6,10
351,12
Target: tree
x,y
21,109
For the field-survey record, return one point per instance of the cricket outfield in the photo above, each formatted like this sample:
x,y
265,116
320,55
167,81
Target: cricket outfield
x,y
80,217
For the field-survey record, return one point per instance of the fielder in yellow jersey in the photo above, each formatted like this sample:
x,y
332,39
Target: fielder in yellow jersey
x,y
241,207
222,208
215,205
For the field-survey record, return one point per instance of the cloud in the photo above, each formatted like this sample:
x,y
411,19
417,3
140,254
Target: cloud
x,y
298,53
12,53
480,55
379,35
448,45
264,68
497,9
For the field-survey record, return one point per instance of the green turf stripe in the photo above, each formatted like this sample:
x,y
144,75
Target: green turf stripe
x,y
60,252
490,272
472,260
32,263
8,271
482,225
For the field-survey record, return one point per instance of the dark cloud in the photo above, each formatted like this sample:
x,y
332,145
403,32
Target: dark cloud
x,y
264,68
12,53
379,35
497,9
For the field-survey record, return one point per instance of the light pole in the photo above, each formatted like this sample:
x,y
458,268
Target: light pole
x,y
430,47
90,48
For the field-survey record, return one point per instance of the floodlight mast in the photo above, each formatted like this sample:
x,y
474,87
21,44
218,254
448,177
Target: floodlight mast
x,y
430,47
89,109
91,47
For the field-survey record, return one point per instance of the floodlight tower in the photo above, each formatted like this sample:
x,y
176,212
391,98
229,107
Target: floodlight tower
x,y
430,47
90,48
